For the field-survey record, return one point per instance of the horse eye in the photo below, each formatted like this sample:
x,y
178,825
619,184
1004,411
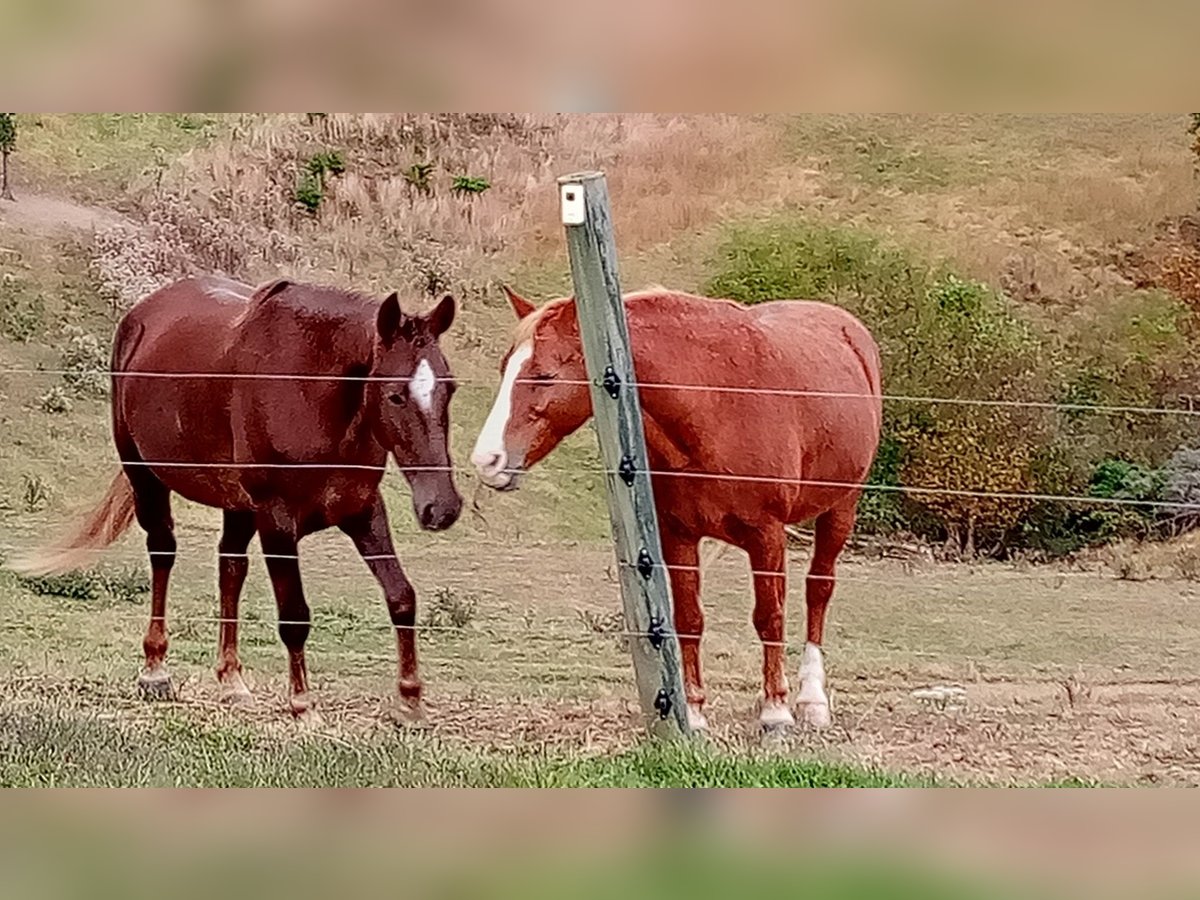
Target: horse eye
x,y
398,399
543,377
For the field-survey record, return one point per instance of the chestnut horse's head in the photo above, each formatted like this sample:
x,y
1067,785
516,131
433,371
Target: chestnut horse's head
x,y
543,393
408,395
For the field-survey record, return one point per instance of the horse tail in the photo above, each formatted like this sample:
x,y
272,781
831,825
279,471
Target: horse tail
x,y
96,530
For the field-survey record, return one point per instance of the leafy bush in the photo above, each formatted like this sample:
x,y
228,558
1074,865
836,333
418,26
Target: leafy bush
x,y
1181,484
55,400
125,584
882,511
942,335
83,585
418,176
85,364
310,190
35,493
22,312
447,610
469,185
939,335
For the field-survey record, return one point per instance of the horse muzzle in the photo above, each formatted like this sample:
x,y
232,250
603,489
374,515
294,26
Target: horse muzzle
x,y
497,470
439,515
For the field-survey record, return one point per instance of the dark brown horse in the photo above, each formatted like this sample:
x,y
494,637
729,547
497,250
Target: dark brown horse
x,y
755,417
227,423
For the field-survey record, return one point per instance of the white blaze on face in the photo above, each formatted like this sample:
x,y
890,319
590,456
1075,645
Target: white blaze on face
x,y
421,386
489,455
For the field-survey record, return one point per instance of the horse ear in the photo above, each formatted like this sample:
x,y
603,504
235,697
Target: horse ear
x,y
442,316
389,319
520,305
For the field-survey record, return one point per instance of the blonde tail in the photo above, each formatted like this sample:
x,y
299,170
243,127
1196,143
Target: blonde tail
x,y
108,521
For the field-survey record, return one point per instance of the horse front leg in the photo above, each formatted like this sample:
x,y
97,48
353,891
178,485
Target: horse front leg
x,y
278,534
682,556
372,538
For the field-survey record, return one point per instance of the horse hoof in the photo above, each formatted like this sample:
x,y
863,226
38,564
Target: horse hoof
x,y
775,718
407,714
695,718
816,715
235,693
156,685
309,719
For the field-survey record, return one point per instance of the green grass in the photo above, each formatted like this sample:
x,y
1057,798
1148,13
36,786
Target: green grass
x,y
884,151
41,746
98,155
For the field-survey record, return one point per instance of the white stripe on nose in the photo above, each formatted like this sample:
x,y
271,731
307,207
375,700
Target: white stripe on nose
x,y
489,455
422,384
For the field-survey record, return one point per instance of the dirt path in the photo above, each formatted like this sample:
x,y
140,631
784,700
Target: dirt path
x,y
41,214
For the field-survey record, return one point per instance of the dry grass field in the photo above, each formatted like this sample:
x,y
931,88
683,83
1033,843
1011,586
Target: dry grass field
x,y
1070,673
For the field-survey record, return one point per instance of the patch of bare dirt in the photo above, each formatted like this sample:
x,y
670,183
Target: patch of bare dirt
x,y
42,214
1170,261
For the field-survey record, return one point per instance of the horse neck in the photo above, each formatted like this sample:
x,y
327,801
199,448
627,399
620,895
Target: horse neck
x,y
358,440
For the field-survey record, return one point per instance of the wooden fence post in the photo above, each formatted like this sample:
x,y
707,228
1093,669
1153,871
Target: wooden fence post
x,y
645,586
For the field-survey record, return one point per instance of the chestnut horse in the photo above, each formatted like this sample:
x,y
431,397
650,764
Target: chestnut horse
x,y
791,438
227,423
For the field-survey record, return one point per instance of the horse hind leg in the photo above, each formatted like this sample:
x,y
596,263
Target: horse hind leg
x,y
152,505
238,530
768,556
832,531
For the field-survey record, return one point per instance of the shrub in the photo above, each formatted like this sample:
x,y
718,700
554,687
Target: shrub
x,y
83,585
881,511
35,493
939,335
310,190
418,177
447,610
469,186
125,584
85,364
22,313
55,401
942,335
1181,484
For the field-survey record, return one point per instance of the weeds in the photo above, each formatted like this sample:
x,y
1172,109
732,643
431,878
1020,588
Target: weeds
x,y
35,493
418,176
125,584
22,312
449,610
85,364
55,401
310,190
606,623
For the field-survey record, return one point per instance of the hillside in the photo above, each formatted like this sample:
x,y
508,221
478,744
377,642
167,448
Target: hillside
x,y
1061,216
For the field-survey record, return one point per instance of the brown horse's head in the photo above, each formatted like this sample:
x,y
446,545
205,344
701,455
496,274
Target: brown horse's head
x,y
543,393
408,396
